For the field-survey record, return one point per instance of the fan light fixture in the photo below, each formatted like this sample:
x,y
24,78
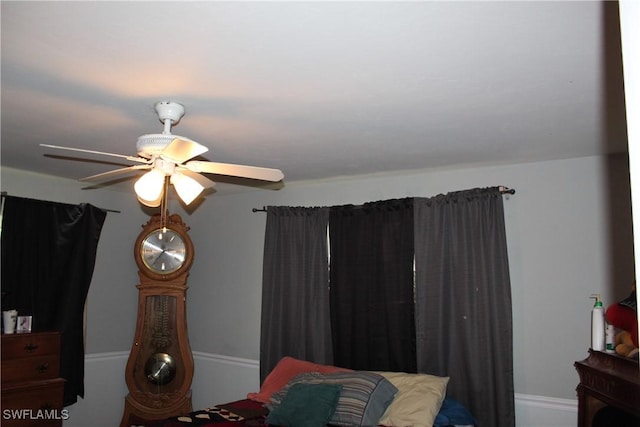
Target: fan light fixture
x,y
150,187
187,188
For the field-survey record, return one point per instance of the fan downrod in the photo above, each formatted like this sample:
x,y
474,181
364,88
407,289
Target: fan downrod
x,y
169,113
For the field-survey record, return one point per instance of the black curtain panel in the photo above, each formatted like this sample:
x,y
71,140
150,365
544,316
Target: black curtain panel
x,y
371,277
463,300
295,290
48,258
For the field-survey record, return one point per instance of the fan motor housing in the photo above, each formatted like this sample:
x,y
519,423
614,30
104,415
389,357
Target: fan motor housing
x,y
153,143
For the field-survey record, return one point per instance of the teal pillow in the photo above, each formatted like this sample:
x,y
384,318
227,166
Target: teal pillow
x,y
363,400
306,405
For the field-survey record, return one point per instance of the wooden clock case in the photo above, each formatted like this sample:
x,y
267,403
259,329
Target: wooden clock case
x,y
160,367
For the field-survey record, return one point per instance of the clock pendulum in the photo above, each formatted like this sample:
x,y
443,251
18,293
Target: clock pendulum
x,y
159,370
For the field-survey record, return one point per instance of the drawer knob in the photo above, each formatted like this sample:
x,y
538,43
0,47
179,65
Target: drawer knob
x,y
31,347
43,368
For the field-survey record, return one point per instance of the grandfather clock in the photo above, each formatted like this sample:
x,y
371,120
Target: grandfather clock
x,y
160,366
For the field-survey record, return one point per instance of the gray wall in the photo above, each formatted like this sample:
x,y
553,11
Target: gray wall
x,y
569,235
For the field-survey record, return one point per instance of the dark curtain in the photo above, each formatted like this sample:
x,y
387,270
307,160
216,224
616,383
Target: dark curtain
x,y
463,300
295,290
48,257
372,309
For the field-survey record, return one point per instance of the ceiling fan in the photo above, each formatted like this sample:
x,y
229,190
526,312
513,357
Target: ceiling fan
x,y
168,159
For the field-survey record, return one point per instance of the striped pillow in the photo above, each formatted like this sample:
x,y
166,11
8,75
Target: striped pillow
x,y
363,399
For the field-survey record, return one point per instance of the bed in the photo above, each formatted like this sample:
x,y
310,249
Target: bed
x,y
301,393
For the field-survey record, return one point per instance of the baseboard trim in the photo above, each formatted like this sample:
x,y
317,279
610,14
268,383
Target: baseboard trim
x,y
543,411
97,357
545,402
228,360
219,358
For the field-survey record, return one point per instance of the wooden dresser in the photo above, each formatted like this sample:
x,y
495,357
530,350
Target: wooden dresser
x,y
607,380
32,392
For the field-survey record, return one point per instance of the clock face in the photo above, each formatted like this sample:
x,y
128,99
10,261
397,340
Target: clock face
x,y
163,251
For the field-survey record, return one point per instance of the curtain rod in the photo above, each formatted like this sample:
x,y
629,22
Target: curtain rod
x,y
502,189
4,194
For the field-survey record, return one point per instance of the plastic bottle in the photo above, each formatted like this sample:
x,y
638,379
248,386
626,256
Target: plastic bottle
x,y
597,325
610,340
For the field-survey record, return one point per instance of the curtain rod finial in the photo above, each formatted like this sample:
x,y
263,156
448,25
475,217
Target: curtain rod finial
x,y
506,190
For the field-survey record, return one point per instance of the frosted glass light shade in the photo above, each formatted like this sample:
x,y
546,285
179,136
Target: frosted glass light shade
x,y
149,188
187,188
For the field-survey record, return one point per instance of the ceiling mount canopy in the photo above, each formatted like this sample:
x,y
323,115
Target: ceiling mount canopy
x,y
169,113
168,159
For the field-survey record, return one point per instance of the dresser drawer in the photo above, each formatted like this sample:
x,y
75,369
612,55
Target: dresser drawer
x,y
18,346
33,404
32,368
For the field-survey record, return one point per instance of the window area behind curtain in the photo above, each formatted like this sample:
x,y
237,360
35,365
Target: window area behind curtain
x,y
462,308
371,281
48,258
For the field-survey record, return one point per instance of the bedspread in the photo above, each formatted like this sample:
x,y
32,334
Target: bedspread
x,y
234,414
249,413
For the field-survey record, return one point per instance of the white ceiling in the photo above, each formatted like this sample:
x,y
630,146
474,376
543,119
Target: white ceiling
x,y
317,89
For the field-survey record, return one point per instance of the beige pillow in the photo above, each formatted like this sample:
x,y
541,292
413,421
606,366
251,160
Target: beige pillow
x,y
418,400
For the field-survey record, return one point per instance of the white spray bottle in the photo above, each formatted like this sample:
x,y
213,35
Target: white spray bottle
x,y
597,325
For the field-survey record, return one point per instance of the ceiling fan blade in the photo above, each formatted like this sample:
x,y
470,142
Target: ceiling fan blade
x,y
253,172
182,149
82,150
201,179
115,172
